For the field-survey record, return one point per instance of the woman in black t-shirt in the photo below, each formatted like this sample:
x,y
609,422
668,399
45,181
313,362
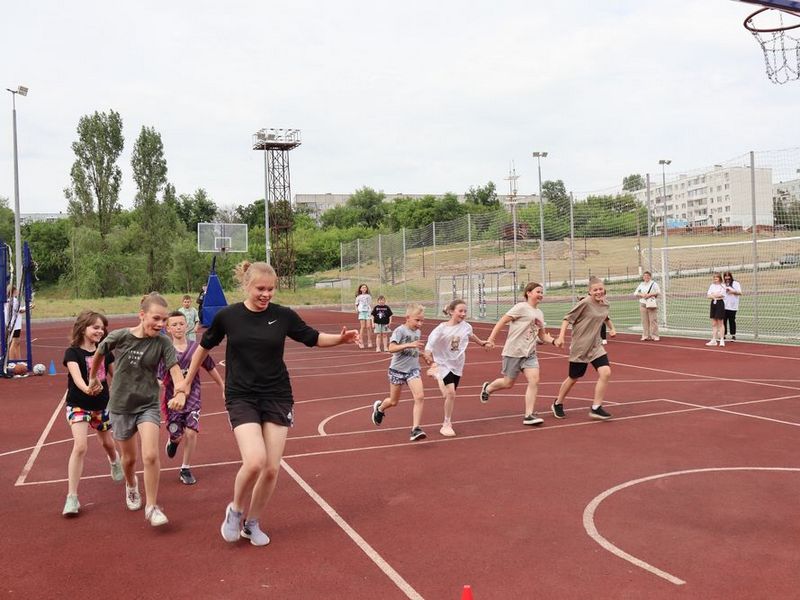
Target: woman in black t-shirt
x,y
258,393
84,409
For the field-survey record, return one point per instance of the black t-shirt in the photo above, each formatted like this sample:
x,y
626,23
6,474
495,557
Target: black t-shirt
x,y
381,314
254,366
75,397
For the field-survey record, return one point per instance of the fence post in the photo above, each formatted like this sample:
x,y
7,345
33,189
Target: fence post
x,y
341,274
572,244
755,241
665,281
358,261
469,263
435,274
405,284
649,228
380,259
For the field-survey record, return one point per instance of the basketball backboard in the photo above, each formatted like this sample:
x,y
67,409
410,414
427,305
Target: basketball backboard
x,y
790,5
221,237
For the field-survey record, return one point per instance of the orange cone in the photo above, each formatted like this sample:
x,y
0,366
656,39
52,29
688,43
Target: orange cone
x,y
466,594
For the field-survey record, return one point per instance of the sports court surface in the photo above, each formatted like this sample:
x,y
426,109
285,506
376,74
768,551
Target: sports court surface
x,y
689,492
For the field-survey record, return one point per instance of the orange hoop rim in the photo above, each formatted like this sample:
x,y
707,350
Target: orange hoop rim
x,y
753,29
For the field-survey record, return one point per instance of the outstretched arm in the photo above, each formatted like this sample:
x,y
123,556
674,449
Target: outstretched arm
x,y
347,336
504,320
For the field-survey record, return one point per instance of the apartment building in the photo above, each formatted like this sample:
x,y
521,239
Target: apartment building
x,y
721,196
787,191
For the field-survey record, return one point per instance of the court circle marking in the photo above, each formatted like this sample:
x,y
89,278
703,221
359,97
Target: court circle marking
x,y
591,508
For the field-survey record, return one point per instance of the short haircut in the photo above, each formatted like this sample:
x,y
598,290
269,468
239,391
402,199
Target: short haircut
x,y
414,308
186,297
595,281
176,313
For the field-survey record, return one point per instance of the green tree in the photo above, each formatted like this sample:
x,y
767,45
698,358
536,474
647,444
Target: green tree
x,y
50,248
631,183
156,224
94,193
196,208
251,214
6,222
556,194
483,195
369,205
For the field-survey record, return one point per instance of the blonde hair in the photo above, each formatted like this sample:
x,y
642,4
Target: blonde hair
x,y
152,298
414,308
595,280
245,271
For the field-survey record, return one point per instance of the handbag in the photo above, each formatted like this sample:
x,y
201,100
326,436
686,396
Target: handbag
x,y
650,302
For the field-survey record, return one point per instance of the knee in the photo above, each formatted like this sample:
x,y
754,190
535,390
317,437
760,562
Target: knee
x,y
254,465
149,458
270,472
79,449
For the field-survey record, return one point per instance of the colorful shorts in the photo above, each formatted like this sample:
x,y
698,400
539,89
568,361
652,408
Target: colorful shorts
x,y
97,419
177,421
400,378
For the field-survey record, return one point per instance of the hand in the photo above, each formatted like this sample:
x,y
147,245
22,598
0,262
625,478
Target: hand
x,y
559,341
183,388
94,387
486,345
349,336
612,333
489,344
177,402
432,371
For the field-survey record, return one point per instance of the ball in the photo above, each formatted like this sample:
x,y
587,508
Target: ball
x,y
39,369
20,369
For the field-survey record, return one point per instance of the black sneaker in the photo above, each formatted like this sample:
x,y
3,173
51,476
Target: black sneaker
x,y
377,415
485,392
417,434
186,477
558,411
171,448
532,419
599,413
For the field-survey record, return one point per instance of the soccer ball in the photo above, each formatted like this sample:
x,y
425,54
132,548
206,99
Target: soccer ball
x,y
39,369
20,369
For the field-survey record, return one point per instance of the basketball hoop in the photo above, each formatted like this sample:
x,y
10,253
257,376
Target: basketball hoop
x,y
781,50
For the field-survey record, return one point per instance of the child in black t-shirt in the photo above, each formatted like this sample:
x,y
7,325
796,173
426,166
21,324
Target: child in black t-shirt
x,y
84,409
382,317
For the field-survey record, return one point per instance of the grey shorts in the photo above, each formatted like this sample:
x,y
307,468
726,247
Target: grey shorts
x,y
513,365
382,328
125,426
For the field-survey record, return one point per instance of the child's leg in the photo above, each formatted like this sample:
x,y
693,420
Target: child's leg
x,y
418,393
566,386
80,433
362,332
501,383
128,458
148,434
531,391
603,376
274,441
369,334
190,443
250,440
107,442
392,399
449,395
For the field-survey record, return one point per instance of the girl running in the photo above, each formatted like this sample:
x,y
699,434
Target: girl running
x,y
85,410
364,310
525,323
134,403
586,317
258,392
445,350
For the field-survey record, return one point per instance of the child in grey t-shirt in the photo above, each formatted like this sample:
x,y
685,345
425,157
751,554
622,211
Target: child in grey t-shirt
x,y
405,346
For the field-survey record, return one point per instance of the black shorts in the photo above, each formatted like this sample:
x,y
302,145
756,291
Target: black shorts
x,y
252,410
451,378
17,333
717,310
578,370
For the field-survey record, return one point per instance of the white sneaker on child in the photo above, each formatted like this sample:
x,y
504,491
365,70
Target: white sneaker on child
x,y
711,343
132,497
155,516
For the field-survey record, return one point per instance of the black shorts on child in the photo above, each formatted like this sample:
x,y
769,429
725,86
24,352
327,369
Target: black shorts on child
x,y
253,410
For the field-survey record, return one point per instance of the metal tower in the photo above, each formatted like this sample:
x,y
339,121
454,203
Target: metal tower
x,y
278,214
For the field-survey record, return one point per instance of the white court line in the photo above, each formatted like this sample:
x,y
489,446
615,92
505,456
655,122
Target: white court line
x,y
721,408
591,508
37,448
371,553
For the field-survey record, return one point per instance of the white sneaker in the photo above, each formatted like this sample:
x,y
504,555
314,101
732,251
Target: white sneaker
x,y
711,343
604,342
722,342
116,471
132,497
71,507
155,516
447,430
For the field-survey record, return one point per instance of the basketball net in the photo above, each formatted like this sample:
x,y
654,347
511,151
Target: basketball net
x,y
778,33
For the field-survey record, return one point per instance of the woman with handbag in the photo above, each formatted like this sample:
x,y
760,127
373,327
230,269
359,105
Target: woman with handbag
x,y
648,292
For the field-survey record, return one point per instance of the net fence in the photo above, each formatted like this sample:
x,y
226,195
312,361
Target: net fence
x,y
740,215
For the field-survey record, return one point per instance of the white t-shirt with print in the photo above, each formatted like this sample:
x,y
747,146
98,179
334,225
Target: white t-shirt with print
x,y
448,344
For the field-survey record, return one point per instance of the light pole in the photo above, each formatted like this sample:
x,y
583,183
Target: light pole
x,y
539,156
664,162
22,91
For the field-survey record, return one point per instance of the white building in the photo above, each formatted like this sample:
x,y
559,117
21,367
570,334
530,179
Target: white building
x,y
721,196
788,191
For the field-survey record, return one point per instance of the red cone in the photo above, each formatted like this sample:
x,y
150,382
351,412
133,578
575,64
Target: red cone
x,y
466,594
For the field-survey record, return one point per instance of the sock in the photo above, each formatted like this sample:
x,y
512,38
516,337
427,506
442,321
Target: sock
x,y
595,406
184,466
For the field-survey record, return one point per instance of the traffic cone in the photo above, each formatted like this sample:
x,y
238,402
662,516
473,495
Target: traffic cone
x,y
466,594
52,370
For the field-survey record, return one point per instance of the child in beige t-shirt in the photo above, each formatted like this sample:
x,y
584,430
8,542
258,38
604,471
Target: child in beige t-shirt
x,y
586,318
525,323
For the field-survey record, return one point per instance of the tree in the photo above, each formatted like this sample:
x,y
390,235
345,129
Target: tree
x,y
157,228
483,196
197,208
251,214
94,194
369,205
556,194
6,222
631,183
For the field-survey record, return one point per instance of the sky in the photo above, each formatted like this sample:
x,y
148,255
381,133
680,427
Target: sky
x,y
404,97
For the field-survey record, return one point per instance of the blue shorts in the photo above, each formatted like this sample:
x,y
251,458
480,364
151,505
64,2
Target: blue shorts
x,y
400,378
365,315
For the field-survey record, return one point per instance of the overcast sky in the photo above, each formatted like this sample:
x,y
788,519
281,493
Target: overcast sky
x,y
412,97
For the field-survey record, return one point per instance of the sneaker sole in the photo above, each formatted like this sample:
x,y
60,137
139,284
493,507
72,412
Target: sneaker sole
x,y
534,424
375,406
483,391
599,417
415,438
556,415
447,433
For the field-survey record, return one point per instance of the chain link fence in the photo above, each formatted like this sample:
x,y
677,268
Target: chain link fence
x,y
740,215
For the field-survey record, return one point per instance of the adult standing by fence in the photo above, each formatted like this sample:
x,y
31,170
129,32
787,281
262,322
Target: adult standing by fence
x,y
648,292
733,290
